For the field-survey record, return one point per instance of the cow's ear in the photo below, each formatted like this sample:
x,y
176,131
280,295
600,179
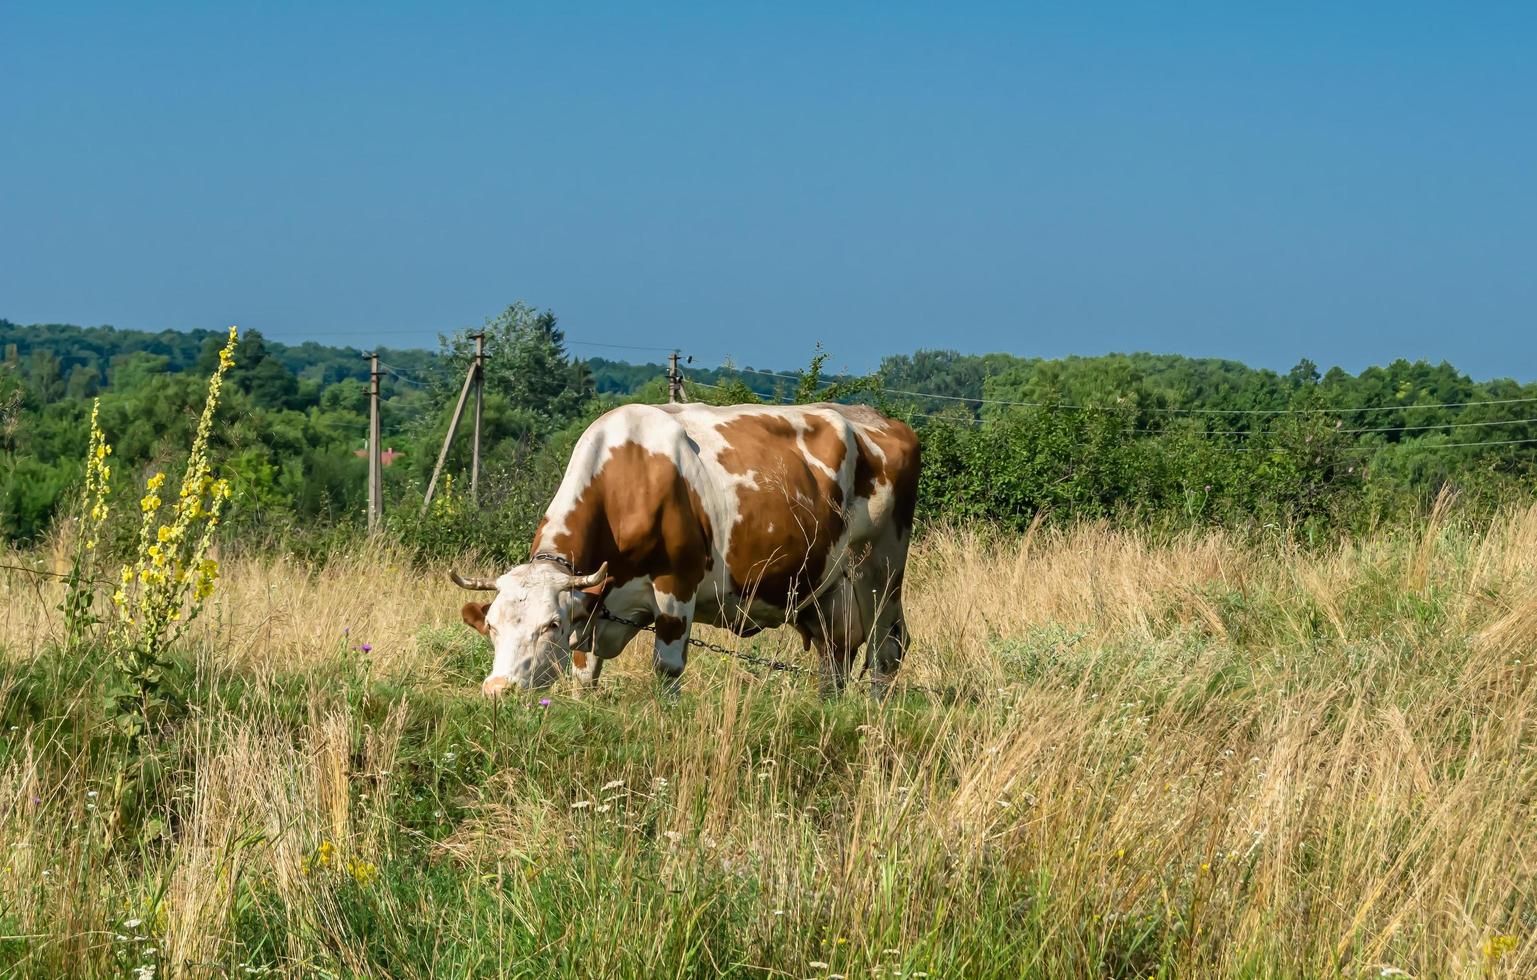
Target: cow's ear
x,y
474,614
597,591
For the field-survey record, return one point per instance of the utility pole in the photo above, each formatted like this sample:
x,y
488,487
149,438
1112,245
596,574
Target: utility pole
x,y
453,427
480,387
375,469
674,380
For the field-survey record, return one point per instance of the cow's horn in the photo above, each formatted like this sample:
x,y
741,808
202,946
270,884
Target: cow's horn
x,y
473,584
588,581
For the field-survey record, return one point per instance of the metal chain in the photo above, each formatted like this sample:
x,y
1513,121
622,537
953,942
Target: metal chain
x,y
947,693
750,658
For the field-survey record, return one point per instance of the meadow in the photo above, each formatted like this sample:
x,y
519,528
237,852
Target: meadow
x,y
1135,755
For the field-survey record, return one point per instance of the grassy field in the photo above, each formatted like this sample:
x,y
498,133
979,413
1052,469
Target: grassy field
x,y
1198,757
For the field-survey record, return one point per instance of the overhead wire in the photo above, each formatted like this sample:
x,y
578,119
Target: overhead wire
x,y
1244,432
1164,410
400,375
984,401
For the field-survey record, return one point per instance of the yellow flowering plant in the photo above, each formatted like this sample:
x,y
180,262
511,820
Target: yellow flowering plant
x,y
79,601
171,576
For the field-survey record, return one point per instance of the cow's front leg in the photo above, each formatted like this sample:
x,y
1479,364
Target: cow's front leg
x,y
674,619
603,640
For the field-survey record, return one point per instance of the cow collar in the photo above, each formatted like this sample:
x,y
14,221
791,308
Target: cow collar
x,y
560,560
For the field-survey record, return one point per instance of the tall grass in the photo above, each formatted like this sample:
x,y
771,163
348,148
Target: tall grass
x,y
1189,757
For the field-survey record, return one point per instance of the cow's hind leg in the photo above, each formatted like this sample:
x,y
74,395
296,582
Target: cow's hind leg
x,y
834,661
674,621
838,627
887,644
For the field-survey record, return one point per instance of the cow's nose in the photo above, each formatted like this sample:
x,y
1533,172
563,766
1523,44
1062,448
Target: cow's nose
x,y
492,686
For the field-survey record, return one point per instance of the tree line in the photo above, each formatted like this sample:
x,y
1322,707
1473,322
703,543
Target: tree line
x,y
1139,437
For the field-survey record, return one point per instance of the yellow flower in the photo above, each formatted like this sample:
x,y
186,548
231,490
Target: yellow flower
x,y
164,534
227,355
1498,946
363,872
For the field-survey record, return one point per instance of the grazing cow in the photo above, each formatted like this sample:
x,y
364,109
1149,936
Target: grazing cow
x,y
744,517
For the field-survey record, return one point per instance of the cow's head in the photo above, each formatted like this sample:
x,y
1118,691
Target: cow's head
x,y
531,621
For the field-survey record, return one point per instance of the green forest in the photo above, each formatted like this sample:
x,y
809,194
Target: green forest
x,y
1161,439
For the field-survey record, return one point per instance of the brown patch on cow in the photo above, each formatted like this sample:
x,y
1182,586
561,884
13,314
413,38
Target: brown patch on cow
x,y
824,442
579,659
641,516
670,629
474,614
792,519
897,463
538,533
865,471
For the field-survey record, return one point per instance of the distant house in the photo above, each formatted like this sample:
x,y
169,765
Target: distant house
x,y
387,457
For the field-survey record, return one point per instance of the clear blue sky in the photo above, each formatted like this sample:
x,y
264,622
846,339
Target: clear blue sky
x,y
1252,181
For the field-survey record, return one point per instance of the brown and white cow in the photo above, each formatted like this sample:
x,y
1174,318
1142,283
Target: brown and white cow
x,y
744,517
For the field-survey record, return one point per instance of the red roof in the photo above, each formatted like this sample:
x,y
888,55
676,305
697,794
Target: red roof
x,y
387,457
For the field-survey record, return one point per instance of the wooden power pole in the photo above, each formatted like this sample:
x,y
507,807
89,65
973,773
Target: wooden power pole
x,y
375,469
674,379
480,387
453,428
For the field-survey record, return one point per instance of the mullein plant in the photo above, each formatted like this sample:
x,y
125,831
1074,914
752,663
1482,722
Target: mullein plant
x,y
79,602
164,588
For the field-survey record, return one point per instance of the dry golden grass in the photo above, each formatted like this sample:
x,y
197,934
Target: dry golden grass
x,y
1199,756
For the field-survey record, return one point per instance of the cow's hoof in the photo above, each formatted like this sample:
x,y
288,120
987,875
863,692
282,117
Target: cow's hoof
x,y
493,686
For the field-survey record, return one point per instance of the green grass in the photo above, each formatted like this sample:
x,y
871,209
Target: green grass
x,y
1237,771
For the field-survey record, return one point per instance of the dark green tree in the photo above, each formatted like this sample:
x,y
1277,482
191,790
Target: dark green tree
x,y
527,365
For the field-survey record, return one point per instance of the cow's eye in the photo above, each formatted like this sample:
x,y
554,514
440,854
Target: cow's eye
x,y
552,626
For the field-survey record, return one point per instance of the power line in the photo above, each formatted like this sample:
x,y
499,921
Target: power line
x,y
398,376
594,343
1348,449
1349,432
1444,425
362,332
1214,411
1170,411
1432,445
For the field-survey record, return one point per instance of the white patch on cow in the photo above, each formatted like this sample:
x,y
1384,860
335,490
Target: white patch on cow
x,y
671,656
